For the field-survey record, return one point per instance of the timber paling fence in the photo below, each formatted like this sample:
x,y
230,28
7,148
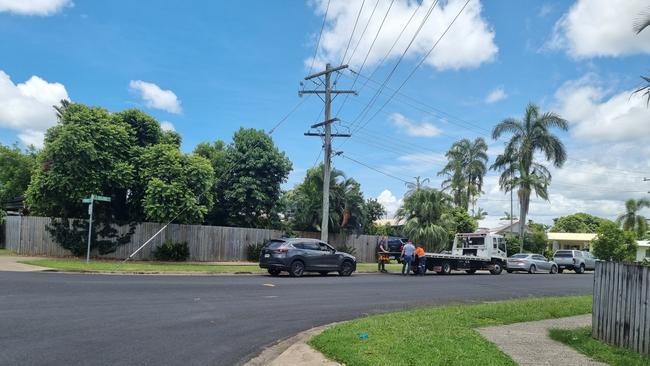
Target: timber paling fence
x,y
621,313
27,235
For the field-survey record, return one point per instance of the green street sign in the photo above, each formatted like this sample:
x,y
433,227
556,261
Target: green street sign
x,y
101,198
86,200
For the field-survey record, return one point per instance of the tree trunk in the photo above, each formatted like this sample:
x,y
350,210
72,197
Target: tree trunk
x,y
524,200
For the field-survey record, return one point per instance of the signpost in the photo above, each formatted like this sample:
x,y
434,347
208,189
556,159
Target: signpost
x,y
90,201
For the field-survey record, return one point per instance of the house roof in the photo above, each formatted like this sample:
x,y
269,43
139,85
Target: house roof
x,y
391,222
504,227
643,243
581,237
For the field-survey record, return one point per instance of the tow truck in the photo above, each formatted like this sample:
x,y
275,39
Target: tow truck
x,y
471,252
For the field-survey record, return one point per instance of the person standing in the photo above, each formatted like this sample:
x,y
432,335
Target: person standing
x,y
407,254
419,253
382,254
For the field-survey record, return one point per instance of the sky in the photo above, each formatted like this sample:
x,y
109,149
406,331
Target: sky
x,y
427,74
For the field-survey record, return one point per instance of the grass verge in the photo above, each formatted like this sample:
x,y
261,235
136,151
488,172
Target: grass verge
x,y
438,335
6,252
78,265
581,340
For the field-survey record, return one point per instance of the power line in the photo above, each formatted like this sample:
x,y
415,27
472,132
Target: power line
x,y
356,21
399,60
372,168
354,51
381,62
418,65
320,34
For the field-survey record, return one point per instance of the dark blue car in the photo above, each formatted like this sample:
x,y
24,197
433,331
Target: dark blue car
x,y
300,255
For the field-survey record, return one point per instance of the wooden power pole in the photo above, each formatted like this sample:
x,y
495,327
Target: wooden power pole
x,y
327,158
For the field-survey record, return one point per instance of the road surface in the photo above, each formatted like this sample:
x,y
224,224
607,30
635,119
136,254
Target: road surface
x,y
86,319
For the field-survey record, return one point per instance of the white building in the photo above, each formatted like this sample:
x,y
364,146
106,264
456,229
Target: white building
x,y
642,250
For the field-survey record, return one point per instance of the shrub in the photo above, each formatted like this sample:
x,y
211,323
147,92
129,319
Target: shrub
x,y
347,249
253,252
614,244
172,251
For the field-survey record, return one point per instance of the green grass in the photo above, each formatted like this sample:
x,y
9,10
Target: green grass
x,y
438,335
6,252
79,265
581,340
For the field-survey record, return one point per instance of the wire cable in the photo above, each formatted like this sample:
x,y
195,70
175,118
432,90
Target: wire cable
x,y
319,37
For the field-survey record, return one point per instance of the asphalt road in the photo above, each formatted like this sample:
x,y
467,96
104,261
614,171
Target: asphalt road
x,y
79,319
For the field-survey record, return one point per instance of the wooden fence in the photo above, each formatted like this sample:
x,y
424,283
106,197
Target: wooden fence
x,y
27,235
621,313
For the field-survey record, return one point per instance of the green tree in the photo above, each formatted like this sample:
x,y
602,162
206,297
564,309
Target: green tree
x,y
465,170
577,223
16,167
614,244
530,138
349,210
414,186
176,186
249,189
459,221
480,214
215,153
426,223
631,220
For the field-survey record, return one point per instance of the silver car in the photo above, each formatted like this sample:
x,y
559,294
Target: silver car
x,y
530,263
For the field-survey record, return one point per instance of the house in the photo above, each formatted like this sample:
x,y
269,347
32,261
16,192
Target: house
x,y
578,241
507,229
642,250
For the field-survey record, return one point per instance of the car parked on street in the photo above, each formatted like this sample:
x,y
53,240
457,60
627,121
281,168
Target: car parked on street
x,y
531,263
300,255
576,260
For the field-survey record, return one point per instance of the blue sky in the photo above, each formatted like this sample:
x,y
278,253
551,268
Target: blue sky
x,y
208,68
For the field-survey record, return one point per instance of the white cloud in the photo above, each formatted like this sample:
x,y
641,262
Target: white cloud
x,y
468,44
593,28
390,202
600,115
28,107
155,97
167,126
496,95
33,7
545,10
423,129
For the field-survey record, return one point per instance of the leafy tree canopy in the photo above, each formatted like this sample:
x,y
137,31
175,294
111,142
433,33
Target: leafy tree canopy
x,y
577,223
16,168
614,244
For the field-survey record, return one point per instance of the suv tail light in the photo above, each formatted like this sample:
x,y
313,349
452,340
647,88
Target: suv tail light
x,y
282,250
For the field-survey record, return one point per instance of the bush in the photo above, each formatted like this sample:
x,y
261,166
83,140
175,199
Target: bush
x,y
614,244
253,252
347,249
172,251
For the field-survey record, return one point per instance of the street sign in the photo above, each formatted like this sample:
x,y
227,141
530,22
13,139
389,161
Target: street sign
x,y
101,198
86,200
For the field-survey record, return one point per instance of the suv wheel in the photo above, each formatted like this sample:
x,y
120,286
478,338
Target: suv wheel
x,y
346,269
297,269
581,269
274,271
532,269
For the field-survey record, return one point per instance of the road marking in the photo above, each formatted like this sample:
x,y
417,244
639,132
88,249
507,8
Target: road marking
x,y
268,285
270,297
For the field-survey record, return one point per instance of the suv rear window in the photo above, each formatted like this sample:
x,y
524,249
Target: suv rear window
x,y
563,253
274,244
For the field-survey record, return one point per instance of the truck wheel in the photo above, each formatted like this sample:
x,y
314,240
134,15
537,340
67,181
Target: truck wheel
x,y
470,271
581,269
497,269
532,269
446,268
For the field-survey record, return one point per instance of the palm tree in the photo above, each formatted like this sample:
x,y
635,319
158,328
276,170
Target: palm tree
x,y
642,24
415,186
425,213
517,163
631,220
465,170
506,216
480,214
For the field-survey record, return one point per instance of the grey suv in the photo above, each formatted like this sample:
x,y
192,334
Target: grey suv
x,y
300,255
576,260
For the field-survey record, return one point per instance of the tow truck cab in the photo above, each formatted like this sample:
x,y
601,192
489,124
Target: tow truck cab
x,y
480,245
